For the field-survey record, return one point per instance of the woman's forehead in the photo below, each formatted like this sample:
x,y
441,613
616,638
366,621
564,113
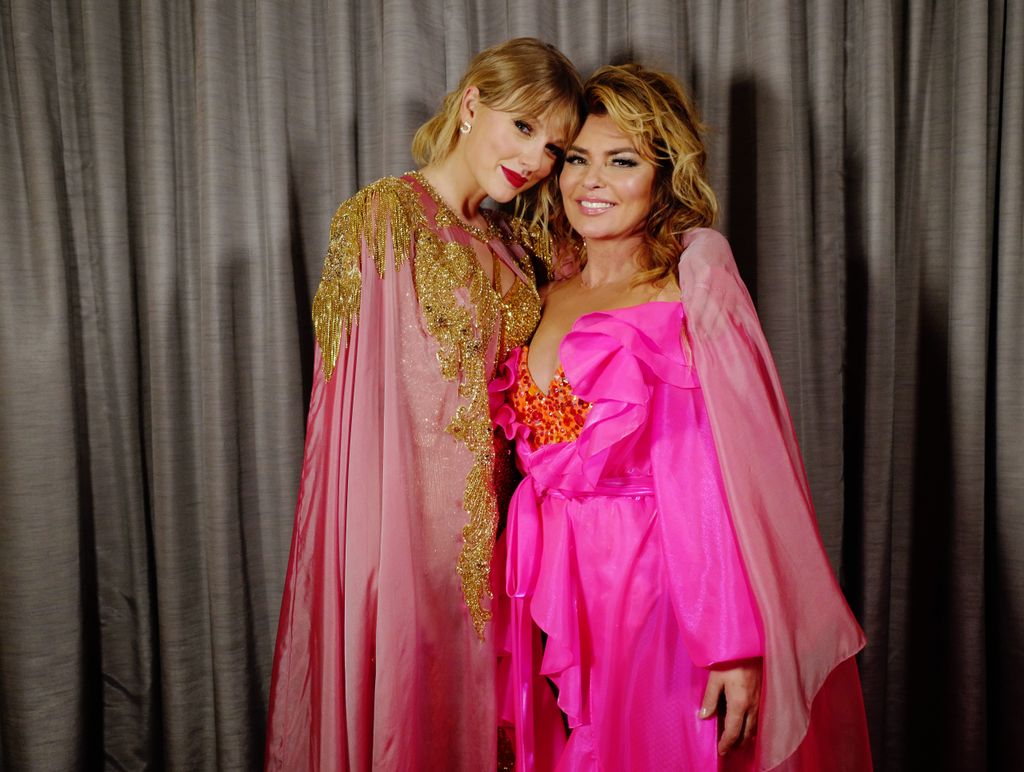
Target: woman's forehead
x,y
604,130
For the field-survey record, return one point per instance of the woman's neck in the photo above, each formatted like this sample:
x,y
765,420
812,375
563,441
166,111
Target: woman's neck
x,y
454,182
611,262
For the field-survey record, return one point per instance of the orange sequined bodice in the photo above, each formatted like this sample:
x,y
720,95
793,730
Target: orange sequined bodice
x,y
555,416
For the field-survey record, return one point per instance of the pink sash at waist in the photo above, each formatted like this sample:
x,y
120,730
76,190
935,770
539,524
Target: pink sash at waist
x,y
609,486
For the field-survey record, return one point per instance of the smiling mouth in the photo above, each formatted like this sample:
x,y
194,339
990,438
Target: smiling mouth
x,y
594,207
515,180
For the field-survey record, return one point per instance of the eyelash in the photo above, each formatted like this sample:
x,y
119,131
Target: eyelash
x,y
552,150
574,159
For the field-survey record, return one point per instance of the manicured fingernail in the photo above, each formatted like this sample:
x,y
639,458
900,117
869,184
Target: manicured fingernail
x,y
704,713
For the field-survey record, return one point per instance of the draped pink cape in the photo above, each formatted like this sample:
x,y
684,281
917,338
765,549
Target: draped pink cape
x,y
812,709
754,581
378,664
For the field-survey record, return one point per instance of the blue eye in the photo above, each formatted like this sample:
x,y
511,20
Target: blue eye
x,y
524,127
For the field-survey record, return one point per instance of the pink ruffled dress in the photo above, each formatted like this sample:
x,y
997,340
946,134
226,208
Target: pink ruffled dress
x,y
624,550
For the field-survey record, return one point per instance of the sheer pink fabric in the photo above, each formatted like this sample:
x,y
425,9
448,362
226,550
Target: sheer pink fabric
x,y
640,552
810,677
378,664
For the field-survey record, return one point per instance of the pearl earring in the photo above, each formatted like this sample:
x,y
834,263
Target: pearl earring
x,y
466,127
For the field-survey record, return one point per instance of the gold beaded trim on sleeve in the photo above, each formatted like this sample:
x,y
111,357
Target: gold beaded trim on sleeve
x,y
387,207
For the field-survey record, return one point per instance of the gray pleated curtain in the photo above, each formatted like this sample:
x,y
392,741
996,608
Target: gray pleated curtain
x,y
167,176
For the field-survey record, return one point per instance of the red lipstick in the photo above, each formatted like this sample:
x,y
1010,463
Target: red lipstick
x,y
515,180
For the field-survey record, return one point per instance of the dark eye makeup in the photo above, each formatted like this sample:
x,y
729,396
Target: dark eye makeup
x,y
621,161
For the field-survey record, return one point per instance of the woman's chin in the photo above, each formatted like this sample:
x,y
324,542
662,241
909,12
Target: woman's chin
x,y
502,194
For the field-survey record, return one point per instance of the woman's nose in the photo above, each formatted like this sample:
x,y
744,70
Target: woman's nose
x,y
594,176
533,158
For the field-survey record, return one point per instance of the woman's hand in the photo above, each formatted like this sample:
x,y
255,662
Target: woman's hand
x,y
740,682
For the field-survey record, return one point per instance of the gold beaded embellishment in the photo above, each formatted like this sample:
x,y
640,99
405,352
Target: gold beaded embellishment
x,y
387,205
465,334
441,269
557,416
535,240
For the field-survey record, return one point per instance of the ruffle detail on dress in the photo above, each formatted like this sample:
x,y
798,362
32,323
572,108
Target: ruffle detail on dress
x,y
556,609
648,336
614,361
611,359
502,414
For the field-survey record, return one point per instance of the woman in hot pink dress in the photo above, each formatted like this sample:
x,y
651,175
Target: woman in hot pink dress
x,y
663,539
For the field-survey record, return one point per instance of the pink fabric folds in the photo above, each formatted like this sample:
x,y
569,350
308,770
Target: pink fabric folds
x,y
594,556
675,533
378,665
811,688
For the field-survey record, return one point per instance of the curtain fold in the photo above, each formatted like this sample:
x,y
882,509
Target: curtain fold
x,y
1004,399
167,177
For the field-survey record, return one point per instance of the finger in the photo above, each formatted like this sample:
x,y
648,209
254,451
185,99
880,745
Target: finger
x,y
709,705
750,726
733,728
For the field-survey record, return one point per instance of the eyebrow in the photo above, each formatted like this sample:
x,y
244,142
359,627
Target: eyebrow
x,y
535,120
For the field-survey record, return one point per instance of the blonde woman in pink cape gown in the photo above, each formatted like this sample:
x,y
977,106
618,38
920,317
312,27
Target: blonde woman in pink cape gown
x,y
663,539
384,657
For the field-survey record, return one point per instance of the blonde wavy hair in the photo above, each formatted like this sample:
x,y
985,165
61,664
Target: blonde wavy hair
x,y
654,110
522,75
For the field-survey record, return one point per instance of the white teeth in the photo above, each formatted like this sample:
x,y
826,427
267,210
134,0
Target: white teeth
x,y
595,205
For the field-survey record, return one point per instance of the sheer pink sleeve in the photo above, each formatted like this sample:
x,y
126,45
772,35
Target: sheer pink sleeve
x,y
809,630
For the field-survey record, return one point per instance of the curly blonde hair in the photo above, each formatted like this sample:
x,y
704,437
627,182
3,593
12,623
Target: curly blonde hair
x,y
523,75
654,110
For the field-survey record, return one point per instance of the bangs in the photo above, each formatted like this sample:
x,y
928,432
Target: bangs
x,y
558,109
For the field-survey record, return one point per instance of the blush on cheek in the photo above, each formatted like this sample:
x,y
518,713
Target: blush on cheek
x,y
565,184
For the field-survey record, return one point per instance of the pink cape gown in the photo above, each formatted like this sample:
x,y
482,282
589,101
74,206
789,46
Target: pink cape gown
x,y
676,532
378,664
